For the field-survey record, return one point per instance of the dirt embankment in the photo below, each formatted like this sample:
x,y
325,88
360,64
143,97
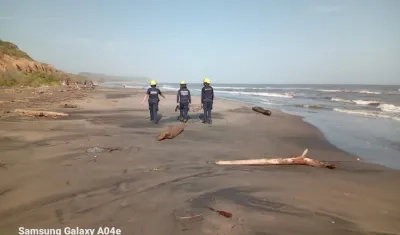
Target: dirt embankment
x,y
10,63
18,68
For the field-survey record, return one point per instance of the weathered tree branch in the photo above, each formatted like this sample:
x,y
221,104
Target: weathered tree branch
x,y
297,160
40,113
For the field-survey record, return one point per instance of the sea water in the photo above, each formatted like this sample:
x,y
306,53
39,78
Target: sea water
x,y
361,119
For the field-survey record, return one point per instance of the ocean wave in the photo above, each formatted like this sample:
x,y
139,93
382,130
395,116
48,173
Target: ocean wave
x,y
135,87
313,106
286,95
341,100
359,102
266,101
234,88
352,91
366,102
390,108
366,113
288,88
166,87
332,91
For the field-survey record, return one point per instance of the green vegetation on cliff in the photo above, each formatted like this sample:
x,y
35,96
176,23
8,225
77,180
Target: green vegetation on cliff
x,y
34,79
8,48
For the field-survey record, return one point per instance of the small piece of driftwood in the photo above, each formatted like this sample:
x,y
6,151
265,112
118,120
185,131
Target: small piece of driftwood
x,y
70,106
196,108
296,160
223,213
40,113
259,109
171,132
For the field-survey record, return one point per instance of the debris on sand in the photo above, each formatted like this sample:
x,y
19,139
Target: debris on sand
x,y
195,108
3,165
190,217
223,213
70,106
40,113
261,110
296,160
100,149
171,132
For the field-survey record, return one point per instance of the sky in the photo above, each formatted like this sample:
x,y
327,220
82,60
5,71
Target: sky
x,y
229,41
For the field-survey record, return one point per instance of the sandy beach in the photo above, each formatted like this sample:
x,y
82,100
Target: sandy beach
x,y
51,177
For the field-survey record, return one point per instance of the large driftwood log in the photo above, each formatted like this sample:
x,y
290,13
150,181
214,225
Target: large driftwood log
x,y
196,108
261,110
296,160
171,132
40,113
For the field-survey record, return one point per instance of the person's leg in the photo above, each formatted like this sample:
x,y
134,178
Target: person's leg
x,y
155,112
185,112
205,107
151,111
209,106
181,109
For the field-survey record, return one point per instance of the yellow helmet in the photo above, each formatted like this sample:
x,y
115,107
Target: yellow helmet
x,y
207,80
183,83
153,82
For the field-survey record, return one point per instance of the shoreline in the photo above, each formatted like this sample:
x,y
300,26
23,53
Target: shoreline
x,y
249,104
52,178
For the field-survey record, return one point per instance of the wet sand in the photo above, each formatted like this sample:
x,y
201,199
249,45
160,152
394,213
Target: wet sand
x,y
48,179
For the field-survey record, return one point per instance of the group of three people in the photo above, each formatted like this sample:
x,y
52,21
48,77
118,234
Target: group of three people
x,y
183,100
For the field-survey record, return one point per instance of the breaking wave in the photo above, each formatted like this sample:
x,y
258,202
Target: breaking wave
x,y
390,108
359,102
286,95
309,106
351,91
366,113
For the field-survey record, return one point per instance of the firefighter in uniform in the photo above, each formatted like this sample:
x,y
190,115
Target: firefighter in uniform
x,y
183,99
207,100
152,94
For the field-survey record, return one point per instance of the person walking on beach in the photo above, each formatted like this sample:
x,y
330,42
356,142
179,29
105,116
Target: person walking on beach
x,y
207,100
152,93
183,99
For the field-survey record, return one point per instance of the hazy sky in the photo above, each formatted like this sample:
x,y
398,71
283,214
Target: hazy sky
x,y
231,41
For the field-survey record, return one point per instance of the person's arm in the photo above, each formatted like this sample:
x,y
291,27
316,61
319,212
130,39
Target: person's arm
x,y
190,97
202,95
145,97
212,94
177,97
159,92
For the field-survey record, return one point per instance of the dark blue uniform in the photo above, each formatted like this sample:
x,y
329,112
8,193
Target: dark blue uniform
x,y
207,99
184,99
153,93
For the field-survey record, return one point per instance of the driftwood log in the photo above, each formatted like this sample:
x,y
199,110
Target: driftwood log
x,y
259,109
296,160
171,132
70,106
196,108
40,113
